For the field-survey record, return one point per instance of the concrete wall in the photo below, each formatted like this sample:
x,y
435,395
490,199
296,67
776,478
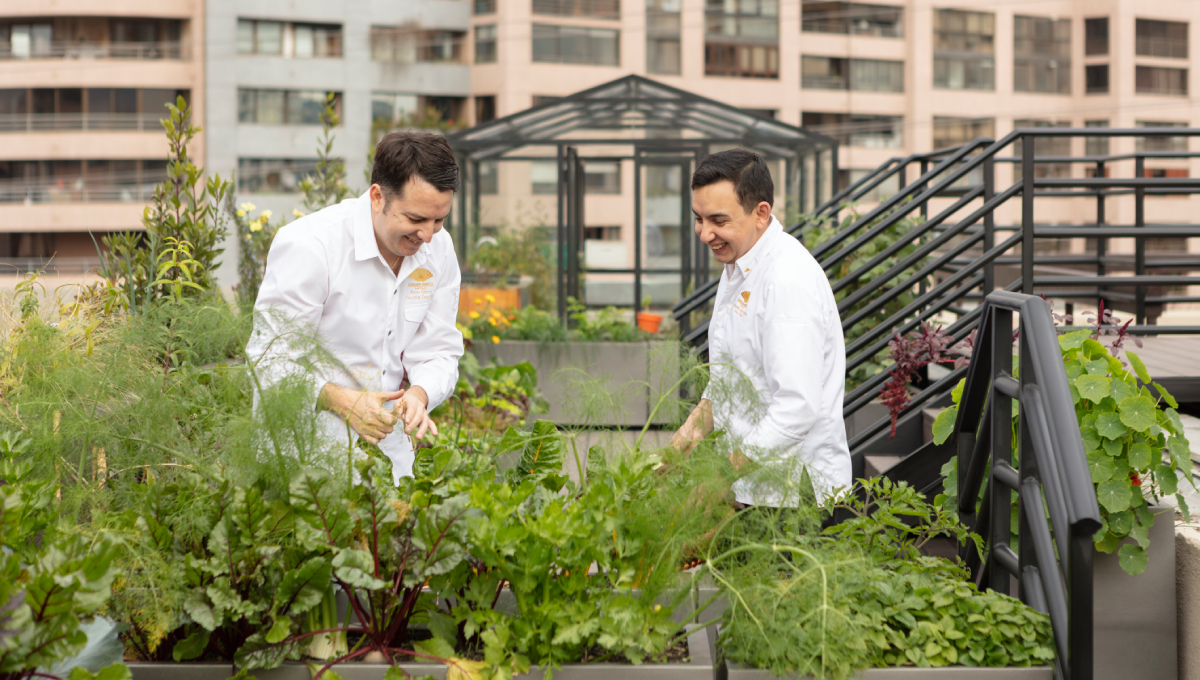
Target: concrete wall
x,y
1187,585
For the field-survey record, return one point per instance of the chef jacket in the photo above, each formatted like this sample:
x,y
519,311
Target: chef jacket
x,y
775,331
325,274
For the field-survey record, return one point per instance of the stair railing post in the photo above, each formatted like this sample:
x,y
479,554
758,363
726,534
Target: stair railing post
x,y
1139,257
1101,241
1000,412
1027,167
989,224
1026,468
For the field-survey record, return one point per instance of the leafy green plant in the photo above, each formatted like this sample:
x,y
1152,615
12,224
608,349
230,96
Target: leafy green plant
x,y
326,185
254,243
516,252
1136,448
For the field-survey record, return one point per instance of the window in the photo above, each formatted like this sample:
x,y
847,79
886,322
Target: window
x,y
964,48
74,108
662,37
1162,39
1041,55
485,108
544,177
871,132
1161,80
602,233
1179,144
539,99
485,44
273,175
1097,78
592,9
853,18
76,181
283,107
483,7
405,46
1095,146
489,178
949,131
836,73
292,40
1044,146
602,177
1095,32
741,39
576,45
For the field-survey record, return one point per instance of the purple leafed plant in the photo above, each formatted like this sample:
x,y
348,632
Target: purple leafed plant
x,y
911,353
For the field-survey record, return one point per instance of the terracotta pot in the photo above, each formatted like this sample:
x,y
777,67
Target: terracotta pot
x,y
649,322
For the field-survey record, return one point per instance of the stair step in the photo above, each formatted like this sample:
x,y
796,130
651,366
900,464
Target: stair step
x,y
877,465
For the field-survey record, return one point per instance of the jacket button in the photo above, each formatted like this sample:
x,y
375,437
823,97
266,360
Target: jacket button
x,y
389,333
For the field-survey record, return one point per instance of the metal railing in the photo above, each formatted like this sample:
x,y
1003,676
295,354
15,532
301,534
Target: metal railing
x,y
76,191
1057,508
42,122
957,254
87,49
49,265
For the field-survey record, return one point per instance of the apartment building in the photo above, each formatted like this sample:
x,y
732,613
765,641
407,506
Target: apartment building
x,y
82,88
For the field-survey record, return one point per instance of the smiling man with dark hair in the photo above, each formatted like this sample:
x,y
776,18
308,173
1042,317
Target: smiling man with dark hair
x,y
775,325
377,279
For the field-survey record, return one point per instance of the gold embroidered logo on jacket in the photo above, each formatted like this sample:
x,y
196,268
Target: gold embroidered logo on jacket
x,y
739,304
420,286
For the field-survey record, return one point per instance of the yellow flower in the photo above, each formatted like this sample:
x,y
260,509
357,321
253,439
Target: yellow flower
x,y
489,298
256,225
474,315
478,301
266,214
496,339
492,321
241,213
297,213
247,206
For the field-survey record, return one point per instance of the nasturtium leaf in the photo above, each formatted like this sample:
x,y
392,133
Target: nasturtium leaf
x,y
1091,438
1133,559
1138,366
1115,494
1108,545
1141,533
1109,425
1074,370
1139,455
1137,413
1167,481
1120,523
1181,503
1074,392
191,646
943,425
1121,390
1094,388
1166,396
1092,348
1101,465
956,393
1114,447
1096,367
1073,340
1181,453
1175,421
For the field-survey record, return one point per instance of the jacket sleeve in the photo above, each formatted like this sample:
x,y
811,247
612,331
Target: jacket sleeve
x,y
286,314
431,357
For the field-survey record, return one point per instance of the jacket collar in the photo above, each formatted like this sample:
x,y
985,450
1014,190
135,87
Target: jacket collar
x,y
760,250
365,246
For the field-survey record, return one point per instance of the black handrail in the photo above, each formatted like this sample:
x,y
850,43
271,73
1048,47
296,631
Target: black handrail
x,y
1053,563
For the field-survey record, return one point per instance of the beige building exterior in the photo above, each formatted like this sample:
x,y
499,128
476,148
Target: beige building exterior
x,y
82,87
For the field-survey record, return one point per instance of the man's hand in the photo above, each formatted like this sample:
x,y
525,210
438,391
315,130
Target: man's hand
x,y
697,427
412,409
363,410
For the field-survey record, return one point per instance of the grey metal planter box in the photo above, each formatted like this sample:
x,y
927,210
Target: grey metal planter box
x,y
698,667
626,379
734,672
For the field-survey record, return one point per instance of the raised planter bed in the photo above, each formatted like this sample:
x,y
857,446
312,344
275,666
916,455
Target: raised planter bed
x,y
734,672
635,374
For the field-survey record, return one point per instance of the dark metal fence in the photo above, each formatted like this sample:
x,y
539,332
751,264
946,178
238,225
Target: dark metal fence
x,y
1057,507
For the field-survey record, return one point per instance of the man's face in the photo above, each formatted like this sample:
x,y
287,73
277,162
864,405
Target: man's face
x,y
723,225
409,220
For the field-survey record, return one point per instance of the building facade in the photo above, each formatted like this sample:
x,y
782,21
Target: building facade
x,y
82,87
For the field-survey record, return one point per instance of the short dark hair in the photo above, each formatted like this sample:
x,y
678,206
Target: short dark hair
x,y
747,170
402,155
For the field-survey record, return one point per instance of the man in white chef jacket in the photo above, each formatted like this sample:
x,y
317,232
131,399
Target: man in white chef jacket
x,y
775,331
376,278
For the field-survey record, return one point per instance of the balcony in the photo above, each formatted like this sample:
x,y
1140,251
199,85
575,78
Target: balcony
x,y
47,122
137,51
49,265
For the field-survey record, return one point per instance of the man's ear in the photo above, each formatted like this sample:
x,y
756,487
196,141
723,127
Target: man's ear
x,y
377,199
762,215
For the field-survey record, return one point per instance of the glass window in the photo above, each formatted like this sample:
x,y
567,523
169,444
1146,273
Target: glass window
x,y
1161,80
245,36
964,50
1096,146
602,177
305,107
1044,146
741,39
1162,39
327,40
125,100
485,108
853,18
393,106
269,37
14,102
1097,78
951,131
1041,55
485,44
273,175
43,100
663,37
594,9
303,41
489,178
483,7
1179,144
1095,33
544,177
858,130
576,45
836,73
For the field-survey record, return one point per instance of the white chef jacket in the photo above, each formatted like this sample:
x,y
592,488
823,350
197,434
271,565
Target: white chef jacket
x,y
775,330
325,274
